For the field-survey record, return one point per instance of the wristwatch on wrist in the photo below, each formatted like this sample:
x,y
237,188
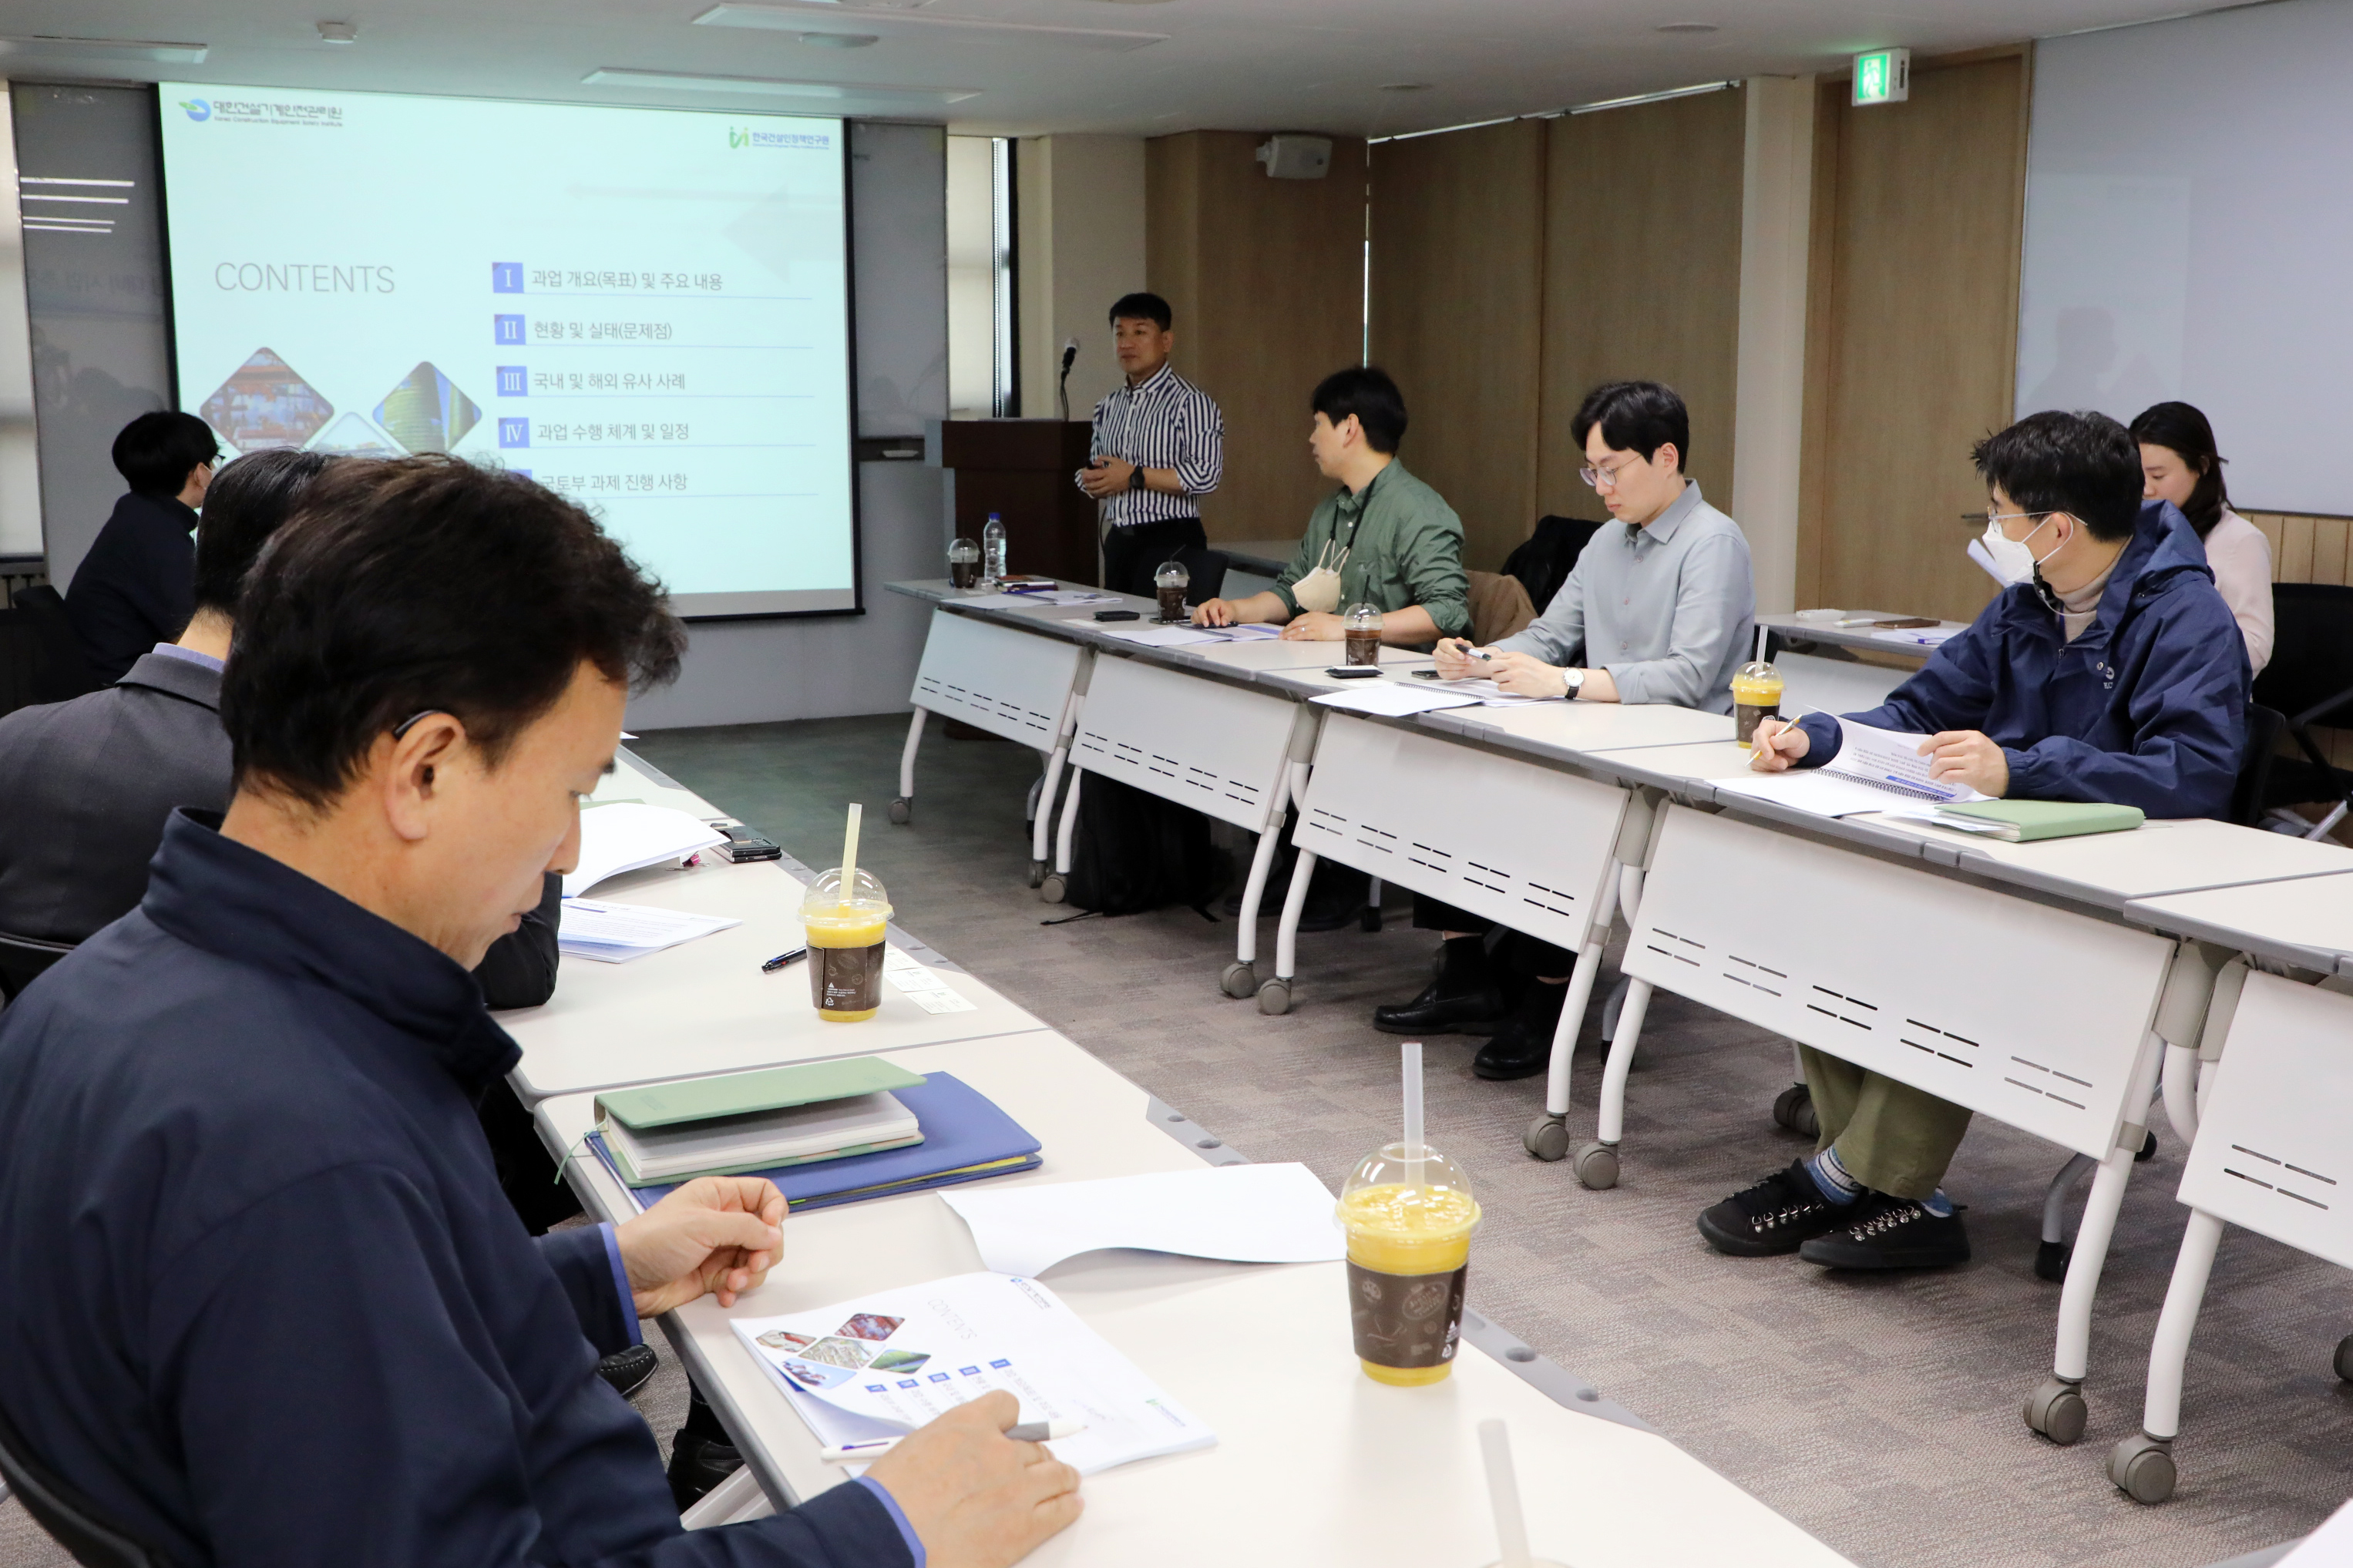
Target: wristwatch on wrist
x,y
1136,477
1576,680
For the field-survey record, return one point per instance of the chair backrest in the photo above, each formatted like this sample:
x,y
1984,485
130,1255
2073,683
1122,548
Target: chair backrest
x,y
68,1517
1542,561
2312,653
22,959
1208,569
2264,728
1499,606
64,672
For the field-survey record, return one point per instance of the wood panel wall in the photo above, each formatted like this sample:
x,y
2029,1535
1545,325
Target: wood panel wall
x,y
1266,279
1913,312
1642,278
1458,231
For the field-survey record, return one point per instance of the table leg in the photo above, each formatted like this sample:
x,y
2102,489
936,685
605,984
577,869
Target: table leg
x,y
904,809
2142,1463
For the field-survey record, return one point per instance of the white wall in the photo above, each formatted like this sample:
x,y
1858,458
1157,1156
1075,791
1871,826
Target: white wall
x,y
20,470
1081,246
1769,386
745,673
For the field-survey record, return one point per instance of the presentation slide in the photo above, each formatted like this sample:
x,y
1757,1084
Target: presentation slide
x,y
646,311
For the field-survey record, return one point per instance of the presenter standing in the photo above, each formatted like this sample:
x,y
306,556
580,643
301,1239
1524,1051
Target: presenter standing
x,y
1159,447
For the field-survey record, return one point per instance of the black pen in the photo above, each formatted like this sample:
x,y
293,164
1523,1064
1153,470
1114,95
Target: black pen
x,y
782,959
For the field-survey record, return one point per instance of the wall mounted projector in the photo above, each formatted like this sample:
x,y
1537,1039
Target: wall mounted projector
x,y
1296,157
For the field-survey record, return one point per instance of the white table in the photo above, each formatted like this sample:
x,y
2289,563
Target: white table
x,y
704,1007
634,779
1312,1459
2307,924
1789,628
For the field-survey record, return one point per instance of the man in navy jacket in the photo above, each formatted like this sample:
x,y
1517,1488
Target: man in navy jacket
x,y
261,1300
136,586
2109,670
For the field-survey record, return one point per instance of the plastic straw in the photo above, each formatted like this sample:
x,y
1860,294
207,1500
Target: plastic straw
x,y
1504,1494
1413,1149
849,855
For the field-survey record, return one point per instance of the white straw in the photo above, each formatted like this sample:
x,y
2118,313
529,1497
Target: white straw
x,y
1503,1495
849,855
1413,1149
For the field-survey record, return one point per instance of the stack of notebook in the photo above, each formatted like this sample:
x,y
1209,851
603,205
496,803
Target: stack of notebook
x,y
825,1132
2025,821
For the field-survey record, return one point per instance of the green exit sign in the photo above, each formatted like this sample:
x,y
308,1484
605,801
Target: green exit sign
x,y
1883,76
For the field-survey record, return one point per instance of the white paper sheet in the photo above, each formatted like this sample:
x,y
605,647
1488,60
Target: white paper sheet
x,y
1394,699
926,988
616,933
1889,758
1156,637
1920,636
1488,694
888,1362
1043,596
627,835
1244,1214
1246,631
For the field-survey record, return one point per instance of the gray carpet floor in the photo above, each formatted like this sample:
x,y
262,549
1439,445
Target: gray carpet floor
x,y
1881,1414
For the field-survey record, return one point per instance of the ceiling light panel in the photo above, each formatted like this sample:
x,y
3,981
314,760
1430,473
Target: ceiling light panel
x,y
795,15
48,48
777,87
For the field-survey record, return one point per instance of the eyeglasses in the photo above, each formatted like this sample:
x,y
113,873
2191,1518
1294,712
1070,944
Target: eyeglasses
x,y
1599,478
2001,517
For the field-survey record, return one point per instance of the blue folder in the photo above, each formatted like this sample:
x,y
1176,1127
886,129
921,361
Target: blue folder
x,y
965,1139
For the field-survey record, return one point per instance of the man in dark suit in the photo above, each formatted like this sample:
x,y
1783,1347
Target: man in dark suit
x,y
136,586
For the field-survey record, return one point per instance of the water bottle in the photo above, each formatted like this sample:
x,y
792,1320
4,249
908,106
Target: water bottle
x,y
992,552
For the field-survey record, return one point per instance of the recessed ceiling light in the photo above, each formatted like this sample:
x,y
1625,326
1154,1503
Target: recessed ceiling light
x,y
834,40
1407,86
775,87
1686,28
48,46
795,15
339,33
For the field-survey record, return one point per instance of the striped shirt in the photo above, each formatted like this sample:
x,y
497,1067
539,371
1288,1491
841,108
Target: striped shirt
x,y
1165,422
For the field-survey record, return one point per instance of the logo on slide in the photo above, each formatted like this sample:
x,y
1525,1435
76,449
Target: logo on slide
x,y
198,109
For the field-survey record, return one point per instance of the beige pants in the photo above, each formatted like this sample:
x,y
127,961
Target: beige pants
x,y
1890,1137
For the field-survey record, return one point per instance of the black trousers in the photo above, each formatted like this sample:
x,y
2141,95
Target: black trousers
x,y
1131,554
1528,956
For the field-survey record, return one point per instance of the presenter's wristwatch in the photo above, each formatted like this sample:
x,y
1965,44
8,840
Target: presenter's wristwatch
x,y
1136,477
1574,680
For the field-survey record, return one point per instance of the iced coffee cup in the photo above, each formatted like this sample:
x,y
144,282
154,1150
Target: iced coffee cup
x,y
845,941
1360,629
1170,585
1408,1216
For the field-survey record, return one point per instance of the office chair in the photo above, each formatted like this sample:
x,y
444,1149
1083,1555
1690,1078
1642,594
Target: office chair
x,y
1207,571
1542,561
22,958
64,670
2264,728
2310,680
70,1517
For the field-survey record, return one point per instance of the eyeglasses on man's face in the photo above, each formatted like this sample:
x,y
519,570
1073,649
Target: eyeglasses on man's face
x,y
1605,478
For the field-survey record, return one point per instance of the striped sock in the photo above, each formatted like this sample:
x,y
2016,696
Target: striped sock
x,y
1832,1177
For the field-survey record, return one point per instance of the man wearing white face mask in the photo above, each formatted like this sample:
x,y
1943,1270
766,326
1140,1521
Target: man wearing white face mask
x,y
2109,670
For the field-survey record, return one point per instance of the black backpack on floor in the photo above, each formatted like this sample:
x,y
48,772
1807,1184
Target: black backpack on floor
x,y
1135,851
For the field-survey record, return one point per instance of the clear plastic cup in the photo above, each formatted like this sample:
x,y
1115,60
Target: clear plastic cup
x,y
1170,585
963,564
1755,696
1409,1223
845,940
1360,629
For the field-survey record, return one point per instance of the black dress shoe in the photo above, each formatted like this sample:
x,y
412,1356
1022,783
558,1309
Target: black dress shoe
x,y
1438,1011
1518,1050
628,1369
697,1464
1892,1232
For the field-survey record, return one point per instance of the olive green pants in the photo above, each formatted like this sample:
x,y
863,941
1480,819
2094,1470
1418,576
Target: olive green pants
x,y
1890,1137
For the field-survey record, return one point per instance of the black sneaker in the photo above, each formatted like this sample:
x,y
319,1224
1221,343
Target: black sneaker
x,y
1781,1213
1891,1233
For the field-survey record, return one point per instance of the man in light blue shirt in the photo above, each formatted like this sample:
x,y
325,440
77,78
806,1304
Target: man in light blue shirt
x,y
1660,608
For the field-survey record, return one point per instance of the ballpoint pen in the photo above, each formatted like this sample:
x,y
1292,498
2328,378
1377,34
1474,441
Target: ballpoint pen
x,y
782,959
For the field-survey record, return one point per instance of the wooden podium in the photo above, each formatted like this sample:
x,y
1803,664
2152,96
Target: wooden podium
x,y
1021,470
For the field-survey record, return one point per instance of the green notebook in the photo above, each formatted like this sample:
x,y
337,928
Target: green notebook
x,y
744,1093
2023,821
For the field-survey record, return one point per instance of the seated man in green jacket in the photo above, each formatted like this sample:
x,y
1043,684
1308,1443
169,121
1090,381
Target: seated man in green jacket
x,y
1384,538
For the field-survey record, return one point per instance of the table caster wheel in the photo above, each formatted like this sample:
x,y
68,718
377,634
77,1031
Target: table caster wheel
x,y
2051,1261
1238,980
2148,1150
1274,998
2143,1466
2057,1411
1053,888
2342,1363
1793,1108
1597,1166
1037,872
902,809
1371,918
1547,1138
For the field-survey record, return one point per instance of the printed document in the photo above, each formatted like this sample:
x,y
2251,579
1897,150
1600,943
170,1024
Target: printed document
x,y
924,987
616,933
1244,1214
1157,637
1393,699
627,835
886,1363
1875,770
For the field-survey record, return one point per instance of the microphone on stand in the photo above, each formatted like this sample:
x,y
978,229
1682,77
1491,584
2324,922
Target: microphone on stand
x,y
1062,386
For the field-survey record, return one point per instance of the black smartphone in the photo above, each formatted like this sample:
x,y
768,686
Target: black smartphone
x,y
1425,675
1115,615
1352,671
749,844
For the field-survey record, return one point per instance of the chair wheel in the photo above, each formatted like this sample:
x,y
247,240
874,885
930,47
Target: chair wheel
x,y
2057,1410
2050,1260
2148,1150
1037,872
2342,1362
1238,980
1789,1102
1597,1166
2143,1468
902,809
1547,1138
1053,888
1371,918
1274,998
